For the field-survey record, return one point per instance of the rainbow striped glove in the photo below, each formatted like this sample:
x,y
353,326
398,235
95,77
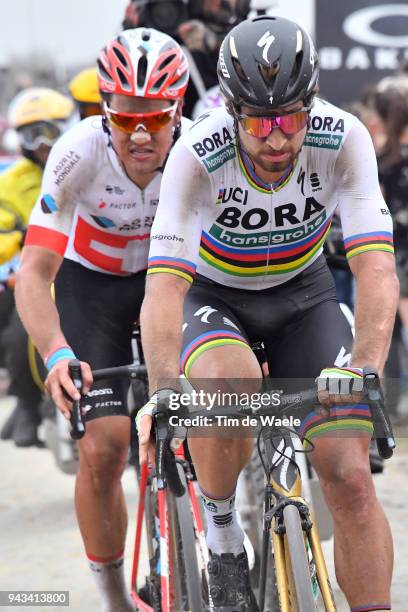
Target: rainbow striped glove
x,y
341,381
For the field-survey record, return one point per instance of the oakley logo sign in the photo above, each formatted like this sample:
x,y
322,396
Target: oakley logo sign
x,y
265,41
360,25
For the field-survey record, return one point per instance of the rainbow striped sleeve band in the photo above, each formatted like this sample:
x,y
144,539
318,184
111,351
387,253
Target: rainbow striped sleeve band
x,y
172,265
373,241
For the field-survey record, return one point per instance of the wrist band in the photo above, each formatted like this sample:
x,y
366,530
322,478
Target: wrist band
x,y
63,352
57,347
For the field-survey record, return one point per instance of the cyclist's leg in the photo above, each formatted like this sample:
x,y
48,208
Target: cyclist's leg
x,y
97,313
215,348
27,413
363,544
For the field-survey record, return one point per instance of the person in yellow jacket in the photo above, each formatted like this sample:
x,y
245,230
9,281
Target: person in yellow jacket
x,y
84,89
39,116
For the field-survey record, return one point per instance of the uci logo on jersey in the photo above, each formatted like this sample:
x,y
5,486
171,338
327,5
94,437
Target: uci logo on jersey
x,y
232,193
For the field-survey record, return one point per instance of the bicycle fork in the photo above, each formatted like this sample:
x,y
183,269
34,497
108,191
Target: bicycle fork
x,y
274,528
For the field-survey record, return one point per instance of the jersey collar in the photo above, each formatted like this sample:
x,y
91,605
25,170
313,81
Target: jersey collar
x,y
256,182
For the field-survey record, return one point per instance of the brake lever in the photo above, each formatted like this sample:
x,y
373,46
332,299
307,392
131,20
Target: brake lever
x,y
166,466
77,422
382,426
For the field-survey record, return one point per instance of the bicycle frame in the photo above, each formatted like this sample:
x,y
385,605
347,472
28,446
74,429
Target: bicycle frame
x,y
283,492
285,487
166,561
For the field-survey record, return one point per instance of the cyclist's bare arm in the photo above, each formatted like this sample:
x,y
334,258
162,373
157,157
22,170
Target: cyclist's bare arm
x,y
35,305
40,318
162,323
377,291
367,227
174,246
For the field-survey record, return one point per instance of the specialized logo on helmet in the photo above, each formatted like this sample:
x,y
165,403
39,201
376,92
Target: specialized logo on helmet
x,y
265,41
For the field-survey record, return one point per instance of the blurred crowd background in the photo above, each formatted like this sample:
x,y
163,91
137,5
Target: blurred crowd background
x,y
363,50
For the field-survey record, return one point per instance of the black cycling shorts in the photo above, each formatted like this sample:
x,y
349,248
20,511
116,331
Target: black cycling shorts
x,y
97,313
300,323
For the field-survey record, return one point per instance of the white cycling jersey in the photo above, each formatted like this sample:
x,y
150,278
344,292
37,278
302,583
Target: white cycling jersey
x,y
216,217
89,210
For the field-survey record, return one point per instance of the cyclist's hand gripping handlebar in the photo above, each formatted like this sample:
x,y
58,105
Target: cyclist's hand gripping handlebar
x,y
77,421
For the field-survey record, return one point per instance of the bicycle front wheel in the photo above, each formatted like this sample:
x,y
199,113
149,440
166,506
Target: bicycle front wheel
x,y
193,573
298,559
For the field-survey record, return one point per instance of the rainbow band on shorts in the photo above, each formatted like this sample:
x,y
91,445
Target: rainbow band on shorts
x,y
351,418
206,341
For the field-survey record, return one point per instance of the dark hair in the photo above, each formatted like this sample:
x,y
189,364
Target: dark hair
x,y
391,103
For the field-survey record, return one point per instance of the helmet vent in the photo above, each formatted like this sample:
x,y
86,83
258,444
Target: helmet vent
x,y
166,62
296,70
159,83
123,41
102,72
123,78
146,36
239,70
121,58
141,71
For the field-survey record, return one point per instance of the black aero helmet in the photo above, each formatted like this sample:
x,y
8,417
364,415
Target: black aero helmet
x,y
267,62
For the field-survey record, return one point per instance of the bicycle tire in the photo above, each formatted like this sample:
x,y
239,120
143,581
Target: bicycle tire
x,y
253,483
189,548
298,559
153,579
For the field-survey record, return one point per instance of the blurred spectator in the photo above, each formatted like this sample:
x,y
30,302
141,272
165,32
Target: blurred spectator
x,y
39,116
390,102
199,25
84,89
367,112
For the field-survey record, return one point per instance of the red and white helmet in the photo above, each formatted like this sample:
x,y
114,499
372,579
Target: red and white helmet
x,y
143,62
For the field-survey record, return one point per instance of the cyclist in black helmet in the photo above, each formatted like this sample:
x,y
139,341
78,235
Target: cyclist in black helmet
x,y
257,186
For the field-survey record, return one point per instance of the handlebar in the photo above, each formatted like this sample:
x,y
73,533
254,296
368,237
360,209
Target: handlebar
x,y
166,468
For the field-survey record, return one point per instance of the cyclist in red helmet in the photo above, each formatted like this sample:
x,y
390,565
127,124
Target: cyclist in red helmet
x,y
89,234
